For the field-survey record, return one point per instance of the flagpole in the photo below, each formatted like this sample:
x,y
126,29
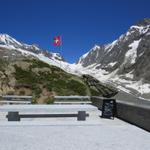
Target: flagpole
x,y
60,47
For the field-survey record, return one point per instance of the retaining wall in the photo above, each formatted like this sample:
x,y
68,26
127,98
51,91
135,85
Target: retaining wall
x,y
134,113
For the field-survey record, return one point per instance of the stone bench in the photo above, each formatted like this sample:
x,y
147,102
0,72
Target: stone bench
x,y
15,116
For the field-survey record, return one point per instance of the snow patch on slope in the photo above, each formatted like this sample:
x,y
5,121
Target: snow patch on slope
x,y
112,64
140,87
131,55
5,39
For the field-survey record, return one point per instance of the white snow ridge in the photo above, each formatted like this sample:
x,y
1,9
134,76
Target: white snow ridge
x,y
32,50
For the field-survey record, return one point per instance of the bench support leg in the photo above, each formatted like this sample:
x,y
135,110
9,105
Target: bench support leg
x,y
13,116
81,116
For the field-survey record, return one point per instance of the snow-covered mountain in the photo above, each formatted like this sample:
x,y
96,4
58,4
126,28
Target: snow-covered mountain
x,y
125,62
12,49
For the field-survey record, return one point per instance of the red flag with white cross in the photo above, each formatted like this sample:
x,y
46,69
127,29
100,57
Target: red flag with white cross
x,y
57,41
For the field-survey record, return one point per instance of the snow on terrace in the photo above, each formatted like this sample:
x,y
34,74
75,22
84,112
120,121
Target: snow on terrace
x,y
69,134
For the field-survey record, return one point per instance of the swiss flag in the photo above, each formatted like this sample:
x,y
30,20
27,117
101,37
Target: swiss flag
x,y
57,40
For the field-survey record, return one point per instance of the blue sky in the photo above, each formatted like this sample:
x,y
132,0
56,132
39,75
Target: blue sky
x,y
81,23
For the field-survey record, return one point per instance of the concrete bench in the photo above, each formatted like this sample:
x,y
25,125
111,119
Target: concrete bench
x,y
15,116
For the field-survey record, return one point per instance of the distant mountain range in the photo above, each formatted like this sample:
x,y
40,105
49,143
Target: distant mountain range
x,y
124,63
19,50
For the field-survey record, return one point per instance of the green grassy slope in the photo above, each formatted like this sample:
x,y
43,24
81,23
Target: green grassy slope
x,y
42,81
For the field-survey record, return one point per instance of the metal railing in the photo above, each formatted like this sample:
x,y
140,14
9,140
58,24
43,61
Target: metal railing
x,y
15,99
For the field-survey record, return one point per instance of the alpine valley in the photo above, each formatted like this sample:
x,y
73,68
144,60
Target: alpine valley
x,y
118,67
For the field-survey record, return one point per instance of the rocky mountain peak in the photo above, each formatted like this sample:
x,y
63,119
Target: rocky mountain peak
x,y
5,39
125,61
143,22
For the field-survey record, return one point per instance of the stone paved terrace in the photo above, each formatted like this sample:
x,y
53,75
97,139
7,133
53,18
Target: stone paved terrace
x,y
67,133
